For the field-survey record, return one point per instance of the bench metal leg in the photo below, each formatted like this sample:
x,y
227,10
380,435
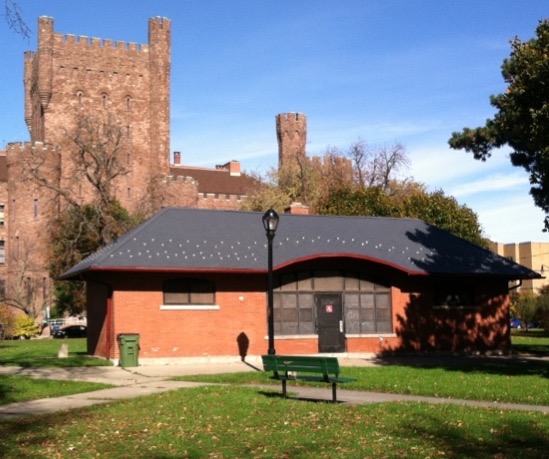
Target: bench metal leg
x,y
284,389
334,392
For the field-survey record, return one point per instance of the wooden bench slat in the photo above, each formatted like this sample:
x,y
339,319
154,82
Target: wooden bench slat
x,y
283,366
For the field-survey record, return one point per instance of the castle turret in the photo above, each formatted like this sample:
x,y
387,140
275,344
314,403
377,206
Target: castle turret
x,y
38,80
291,132
27,79
45,58
160,63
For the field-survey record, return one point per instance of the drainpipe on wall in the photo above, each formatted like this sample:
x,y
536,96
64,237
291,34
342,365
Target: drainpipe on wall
x,y
514,287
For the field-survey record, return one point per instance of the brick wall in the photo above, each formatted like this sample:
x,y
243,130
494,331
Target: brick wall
x,y
3,223
136,308
239,325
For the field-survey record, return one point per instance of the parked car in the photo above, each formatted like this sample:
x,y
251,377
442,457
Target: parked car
x,y
18,337
71,331
517,323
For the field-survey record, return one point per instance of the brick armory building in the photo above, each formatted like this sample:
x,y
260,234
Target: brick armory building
x,y
191,283
127,83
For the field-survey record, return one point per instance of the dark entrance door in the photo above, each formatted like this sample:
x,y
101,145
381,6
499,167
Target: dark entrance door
x,y
329,323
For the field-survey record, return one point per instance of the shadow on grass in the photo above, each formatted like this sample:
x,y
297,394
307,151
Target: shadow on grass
x,y
76,359
43,353
513,438
503,366
33,430
292,396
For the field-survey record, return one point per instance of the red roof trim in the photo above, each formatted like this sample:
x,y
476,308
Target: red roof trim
x,y
357,257
258,271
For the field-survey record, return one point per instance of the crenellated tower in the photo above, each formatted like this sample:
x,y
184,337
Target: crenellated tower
x,y
127,84
73,83
291,133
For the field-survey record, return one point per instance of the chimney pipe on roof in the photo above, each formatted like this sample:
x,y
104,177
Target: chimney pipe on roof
x,y
297,208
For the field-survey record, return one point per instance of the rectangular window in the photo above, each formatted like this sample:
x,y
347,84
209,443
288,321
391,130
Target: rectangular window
x,y
189,292
368,313
36,208
293,313
2,252
328,281
2,215
454,296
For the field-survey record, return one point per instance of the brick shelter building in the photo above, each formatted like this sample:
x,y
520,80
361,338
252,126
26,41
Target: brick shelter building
x,y
125,85
191,283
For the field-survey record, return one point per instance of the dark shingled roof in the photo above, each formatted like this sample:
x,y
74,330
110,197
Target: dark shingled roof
x,y
212,240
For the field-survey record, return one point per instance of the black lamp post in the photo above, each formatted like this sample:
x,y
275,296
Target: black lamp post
x,y
270,222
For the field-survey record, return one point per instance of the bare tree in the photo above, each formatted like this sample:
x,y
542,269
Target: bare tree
x,y
96,146
79,189
377,167
99,144
14,18
311,180
388,162
305,180
27,283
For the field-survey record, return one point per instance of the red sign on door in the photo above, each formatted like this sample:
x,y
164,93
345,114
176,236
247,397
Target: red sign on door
x,y
329,308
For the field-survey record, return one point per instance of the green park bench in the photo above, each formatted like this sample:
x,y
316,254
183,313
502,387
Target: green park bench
x,y
292,368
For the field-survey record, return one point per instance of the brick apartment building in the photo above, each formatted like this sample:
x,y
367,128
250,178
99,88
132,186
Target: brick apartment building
x,y
74,76
534,255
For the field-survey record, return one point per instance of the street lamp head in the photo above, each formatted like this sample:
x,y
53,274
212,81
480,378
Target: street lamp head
x,y
270,221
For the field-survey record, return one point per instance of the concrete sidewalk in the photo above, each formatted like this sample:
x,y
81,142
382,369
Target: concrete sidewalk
x,y
151,379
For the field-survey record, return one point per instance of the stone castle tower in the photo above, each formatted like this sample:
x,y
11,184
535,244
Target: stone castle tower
x,y
128,82
69,78
66,78
291,133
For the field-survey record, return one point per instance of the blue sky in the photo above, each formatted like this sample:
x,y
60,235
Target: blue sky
x,y
383,71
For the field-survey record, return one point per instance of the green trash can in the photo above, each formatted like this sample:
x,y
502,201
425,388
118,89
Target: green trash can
x,y
128,344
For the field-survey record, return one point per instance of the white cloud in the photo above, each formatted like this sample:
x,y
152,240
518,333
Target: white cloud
x,y
514,219
440,166
493,182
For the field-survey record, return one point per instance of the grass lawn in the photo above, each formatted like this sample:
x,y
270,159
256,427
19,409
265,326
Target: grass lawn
x,y
246,422
502,381
239,422
20,389
534,341
40,353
